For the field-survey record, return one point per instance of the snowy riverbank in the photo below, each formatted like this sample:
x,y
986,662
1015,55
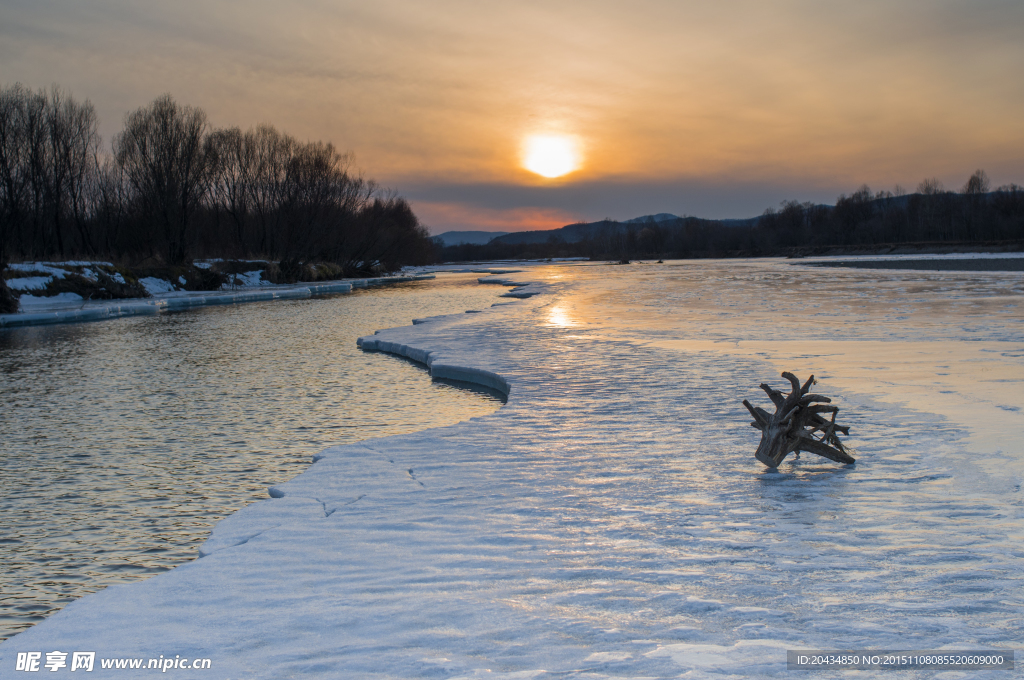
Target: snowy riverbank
x,y
610,519
66,308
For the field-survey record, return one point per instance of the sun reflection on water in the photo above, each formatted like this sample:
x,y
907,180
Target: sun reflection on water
x,y
560,315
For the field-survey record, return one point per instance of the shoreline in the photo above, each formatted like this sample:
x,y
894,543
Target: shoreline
x,y
948,264
921,249
178,301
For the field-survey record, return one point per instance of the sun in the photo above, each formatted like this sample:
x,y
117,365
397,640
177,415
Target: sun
x,y
550,155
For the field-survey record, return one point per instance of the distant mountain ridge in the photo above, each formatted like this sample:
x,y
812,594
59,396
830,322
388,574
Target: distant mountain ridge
x,y
571,233
586,231
574,233
477,238
660,217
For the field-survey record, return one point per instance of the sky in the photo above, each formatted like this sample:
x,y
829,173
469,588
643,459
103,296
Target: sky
x,y
717,110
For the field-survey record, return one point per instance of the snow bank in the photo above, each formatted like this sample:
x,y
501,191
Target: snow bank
x,y
251,279
29,283
45,267
33,302
155,286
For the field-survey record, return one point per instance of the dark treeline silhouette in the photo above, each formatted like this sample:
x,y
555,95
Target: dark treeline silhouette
x,y
173,189
974,214
863,220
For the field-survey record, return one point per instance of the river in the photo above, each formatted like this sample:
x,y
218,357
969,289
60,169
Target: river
x,y
125,441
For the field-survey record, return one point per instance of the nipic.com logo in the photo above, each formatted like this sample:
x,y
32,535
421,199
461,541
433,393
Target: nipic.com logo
x,y
33,662
30,661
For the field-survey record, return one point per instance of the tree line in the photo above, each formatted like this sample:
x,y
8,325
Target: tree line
x,y
932,214
172,188
862,220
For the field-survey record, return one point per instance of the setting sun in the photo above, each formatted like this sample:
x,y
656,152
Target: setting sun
x,y
550,155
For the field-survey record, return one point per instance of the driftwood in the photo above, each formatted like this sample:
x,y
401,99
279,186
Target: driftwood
x,y
798,417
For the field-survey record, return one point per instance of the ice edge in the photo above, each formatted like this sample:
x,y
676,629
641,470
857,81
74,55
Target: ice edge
x,y
437,369
450,371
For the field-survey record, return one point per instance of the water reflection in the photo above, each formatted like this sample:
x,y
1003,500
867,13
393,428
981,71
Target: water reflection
x,y
560,315
124,441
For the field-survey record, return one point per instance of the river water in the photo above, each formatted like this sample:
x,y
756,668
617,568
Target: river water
x,y
125,441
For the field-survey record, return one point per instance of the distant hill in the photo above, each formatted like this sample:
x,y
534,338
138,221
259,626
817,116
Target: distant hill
x,y
574,233
584,231
479,238
660,217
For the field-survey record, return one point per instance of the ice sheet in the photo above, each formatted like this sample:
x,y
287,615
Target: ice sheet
x,y
610,520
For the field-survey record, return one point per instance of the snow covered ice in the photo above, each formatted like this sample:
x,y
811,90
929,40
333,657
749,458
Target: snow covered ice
x,y
610,520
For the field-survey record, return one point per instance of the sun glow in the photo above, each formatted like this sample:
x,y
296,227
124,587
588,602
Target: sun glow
x,y
550,155
562,316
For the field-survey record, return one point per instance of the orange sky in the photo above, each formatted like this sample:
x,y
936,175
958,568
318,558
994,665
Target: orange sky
x,y
714,109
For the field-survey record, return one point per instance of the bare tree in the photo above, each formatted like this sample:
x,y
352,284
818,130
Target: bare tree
x,y
933,213
271,153
972,204
109,201
930,186
48,145
14,176
232,169
73,145
976,185
34,121
167,163
320,199
253,182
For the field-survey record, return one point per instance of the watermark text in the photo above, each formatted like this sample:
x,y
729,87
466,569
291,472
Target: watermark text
x,y
34,662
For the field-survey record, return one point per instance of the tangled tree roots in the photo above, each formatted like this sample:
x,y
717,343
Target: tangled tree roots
x,y
796,421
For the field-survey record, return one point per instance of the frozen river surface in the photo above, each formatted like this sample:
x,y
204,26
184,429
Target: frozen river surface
x,y
610,520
